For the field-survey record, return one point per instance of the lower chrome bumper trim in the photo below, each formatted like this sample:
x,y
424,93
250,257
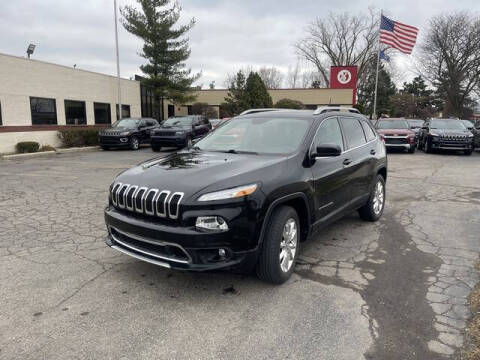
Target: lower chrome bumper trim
x,y
140,257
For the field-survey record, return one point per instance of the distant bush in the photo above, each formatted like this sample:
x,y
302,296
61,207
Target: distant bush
x,y
289,104
27,147
78,137
47,148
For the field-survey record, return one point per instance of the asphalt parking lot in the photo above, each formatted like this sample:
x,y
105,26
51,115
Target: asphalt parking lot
x,y
396,289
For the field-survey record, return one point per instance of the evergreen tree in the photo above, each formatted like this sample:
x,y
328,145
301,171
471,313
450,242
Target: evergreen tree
x,y
366,92
165,48
235,101
256,94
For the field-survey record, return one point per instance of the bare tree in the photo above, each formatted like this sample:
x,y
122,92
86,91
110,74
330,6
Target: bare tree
x,y
450,59
293,76
271,76
340,39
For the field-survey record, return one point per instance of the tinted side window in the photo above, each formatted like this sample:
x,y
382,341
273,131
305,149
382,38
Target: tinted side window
x,y
328,133
368,131
353,132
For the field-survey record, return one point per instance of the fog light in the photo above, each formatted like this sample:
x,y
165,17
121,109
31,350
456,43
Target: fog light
x,y
124,140
221,253
211,223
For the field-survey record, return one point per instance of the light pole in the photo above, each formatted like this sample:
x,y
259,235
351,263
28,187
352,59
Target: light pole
x,y
119,111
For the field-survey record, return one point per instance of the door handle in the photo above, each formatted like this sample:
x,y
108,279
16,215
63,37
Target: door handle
x,y
347,162
373,152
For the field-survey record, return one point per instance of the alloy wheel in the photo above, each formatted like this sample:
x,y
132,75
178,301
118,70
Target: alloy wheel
x,y
288,245
378,198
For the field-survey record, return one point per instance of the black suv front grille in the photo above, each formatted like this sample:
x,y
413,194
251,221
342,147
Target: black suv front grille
x,y
143,200
164,133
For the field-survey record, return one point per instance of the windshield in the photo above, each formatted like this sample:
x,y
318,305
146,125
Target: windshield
x,y
126,123
392,124
467,123
182,121
416,123
447,124
260,135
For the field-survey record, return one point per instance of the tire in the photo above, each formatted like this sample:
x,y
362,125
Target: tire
x,y
412,150
468,152
369,211
134,143
106,148
270,268
427,146
156,148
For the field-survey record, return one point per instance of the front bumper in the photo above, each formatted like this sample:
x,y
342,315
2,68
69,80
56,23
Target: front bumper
x,y
441,144
114,140
177,141
176,247
399,146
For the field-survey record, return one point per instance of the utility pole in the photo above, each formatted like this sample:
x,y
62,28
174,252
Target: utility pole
x,y
118,62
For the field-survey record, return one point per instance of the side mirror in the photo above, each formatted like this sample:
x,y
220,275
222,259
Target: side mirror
x,y
327,150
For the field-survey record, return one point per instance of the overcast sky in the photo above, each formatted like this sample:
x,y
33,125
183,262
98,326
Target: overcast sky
x,y
228,35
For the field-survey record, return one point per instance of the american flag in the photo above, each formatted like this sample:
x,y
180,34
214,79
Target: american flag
x,y
398,35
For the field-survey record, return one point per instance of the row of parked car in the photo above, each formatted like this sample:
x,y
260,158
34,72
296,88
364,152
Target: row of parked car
x,y
429,135
175,132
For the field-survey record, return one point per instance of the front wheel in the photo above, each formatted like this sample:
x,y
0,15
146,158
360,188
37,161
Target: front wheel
x,y
468,152
428,146
412,150
280,246
373,209
134,143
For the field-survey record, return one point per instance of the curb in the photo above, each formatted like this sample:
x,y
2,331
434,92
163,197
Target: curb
x,y
45,153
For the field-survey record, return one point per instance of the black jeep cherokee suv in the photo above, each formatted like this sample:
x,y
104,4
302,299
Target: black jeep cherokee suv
x,y
128,132
180,131
446,134
246,195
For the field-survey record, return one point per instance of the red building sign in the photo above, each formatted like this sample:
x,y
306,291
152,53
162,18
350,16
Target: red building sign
x,y
344,77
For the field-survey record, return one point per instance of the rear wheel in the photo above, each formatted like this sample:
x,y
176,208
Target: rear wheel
x,y
280,246
134,143
373,209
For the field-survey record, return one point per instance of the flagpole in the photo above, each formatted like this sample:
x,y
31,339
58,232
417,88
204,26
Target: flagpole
x,y
119,111
376,75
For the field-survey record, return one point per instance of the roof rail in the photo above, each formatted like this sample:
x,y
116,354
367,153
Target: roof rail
x,y
325,109
253,111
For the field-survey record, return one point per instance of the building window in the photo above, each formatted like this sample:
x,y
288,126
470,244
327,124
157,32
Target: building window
x,y
75,112
102,113
44,111
125,111
189,110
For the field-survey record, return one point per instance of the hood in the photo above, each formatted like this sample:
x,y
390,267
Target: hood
x,y
191,171
450,132
389,132
115,131
175,127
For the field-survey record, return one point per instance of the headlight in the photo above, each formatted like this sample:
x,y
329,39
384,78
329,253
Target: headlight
x,y
470,135
434,134
229,193
179,132
215,223
125,133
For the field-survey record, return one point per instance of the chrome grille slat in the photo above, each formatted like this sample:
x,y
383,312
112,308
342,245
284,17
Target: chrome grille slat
x,y
162,213
175,215
115,187
121,196
139,209
151,203
131,198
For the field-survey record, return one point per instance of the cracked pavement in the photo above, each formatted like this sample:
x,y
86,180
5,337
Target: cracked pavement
x,y
396,289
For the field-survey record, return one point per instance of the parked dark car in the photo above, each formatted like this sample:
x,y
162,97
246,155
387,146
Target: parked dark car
x,y
397,134
180,131
416,125
129,132
446,134
247,201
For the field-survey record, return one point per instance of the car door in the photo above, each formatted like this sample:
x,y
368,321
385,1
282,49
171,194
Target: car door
x,y
329,174
142,131
150,125
357,159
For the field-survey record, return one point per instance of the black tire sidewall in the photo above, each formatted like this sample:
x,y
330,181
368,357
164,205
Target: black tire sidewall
x,y
132,141
268,267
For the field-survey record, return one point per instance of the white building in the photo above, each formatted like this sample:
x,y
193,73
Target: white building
x,y
39,98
